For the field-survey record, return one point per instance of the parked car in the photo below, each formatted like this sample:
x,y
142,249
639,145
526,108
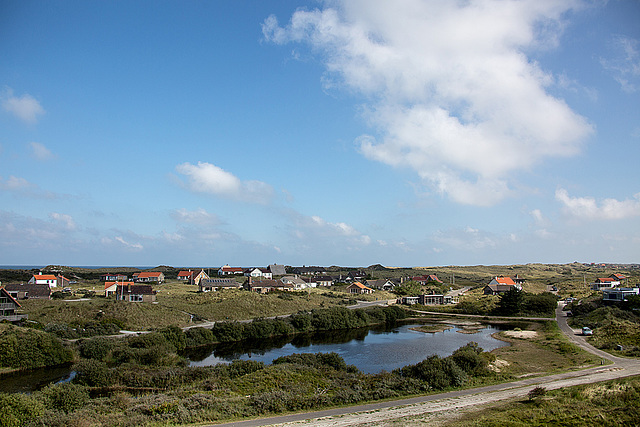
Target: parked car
x,y
586,331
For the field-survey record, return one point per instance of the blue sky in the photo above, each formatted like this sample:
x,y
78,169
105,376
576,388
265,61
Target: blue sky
x,y
405,133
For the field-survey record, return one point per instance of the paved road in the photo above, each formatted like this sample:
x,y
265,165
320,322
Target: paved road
x,y
376,412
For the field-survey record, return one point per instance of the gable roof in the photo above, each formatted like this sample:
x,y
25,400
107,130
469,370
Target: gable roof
x,y
44,277
149,274
107,285
33,290
135,289
277,269
185,273
7,295
504,280
359,285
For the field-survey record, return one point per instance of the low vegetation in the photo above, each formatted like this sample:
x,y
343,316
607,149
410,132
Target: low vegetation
x,y
616,328
610,403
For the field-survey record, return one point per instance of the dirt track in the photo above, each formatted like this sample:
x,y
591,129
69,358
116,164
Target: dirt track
x,y
449,405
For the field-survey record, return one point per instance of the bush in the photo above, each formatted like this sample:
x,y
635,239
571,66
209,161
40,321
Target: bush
x,y
469,358
175,336
195,337
18,409
93,373
315,360
29,348
66,397
97,348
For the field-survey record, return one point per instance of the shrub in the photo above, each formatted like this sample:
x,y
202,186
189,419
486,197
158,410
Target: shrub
x,y
29,348
66,397
18,409
437,372
195,337
175,336
93,373
536,392
469,359
97,348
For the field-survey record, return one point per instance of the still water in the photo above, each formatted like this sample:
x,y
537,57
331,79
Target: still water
x,y
370,350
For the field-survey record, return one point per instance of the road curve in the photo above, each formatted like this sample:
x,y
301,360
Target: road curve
x,y
423,405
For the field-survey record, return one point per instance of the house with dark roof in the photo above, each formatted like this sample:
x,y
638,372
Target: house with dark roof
x,y
9,307
277,269
217,283
381,284
264,286
427,278
135,293
113,277
28,291
110,288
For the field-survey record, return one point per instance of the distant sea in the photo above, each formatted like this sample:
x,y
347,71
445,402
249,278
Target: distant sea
x,y
38,267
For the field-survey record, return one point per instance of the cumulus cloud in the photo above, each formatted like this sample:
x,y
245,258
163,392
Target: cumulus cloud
x,y
452,94
40,152
208,178
25,107
588,208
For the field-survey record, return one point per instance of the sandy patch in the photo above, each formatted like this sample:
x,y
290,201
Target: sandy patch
x,y
521,334
498,365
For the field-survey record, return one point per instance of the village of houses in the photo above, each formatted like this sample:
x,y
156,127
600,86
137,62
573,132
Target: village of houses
x,y
142,286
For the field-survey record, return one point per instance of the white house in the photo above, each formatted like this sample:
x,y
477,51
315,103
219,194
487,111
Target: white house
x,y
44,279
258,272
605,282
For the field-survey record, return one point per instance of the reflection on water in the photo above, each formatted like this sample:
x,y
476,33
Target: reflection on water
x,y
370,350
28,381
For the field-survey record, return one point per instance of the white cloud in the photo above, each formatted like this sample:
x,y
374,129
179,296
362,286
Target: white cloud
x,y
40,152
14,183
625,66
66,220
452,94
608,209
324,234
25,107
208,178
197,217
466,239
132,246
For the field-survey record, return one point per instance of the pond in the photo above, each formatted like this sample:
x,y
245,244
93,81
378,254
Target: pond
x,y
371,350
28,381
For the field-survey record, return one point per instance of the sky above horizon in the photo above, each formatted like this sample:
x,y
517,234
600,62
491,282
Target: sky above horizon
x,y
359,132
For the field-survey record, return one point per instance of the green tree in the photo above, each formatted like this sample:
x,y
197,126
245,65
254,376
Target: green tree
x,y
511,302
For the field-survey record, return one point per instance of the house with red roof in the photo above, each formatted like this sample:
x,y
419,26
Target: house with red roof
x,y
500,285
149,276
48,279
359,288
605,282
227,270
